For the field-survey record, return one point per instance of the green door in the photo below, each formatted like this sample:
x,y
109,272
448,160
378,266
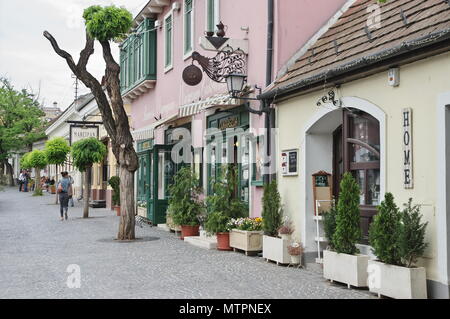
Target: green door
x,y
161,176
143,193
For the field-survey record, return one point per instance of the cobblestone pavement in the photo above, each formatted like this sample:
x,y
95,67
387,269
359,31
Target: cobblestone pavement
x,y
36,249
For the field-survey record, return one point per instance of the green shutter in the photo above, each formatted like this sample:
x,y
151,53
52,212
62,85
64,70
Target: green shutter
x,y
187,26
168,41
211,15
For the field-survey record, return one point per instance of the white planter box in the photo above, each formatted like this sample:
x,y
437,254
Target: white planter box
x,y
348,269
396,281
276,249
248,241
142,211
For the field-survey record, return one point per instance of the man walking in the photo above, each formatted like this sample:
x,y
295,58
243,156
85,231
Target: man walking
x,y
21,178
63,189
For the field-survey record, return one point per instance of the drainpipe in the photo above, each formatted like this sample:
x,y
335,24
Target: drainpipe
x,y
269,115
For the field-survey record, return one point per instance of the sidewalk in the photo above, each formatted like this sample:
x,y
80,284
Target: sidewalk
x,y
37,248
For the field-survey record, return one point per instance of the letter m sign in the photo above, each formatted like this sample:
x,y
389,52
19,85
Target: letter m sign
x,y
407,142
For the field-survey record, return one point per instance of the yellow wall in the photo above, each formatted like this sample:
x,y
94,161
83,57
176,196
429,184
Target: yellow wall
x,y
421,83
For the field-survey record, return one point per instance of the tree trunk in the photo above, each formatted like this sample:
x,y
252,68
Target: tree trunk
x,y
37,180
56,183
86,195
127,210
9,172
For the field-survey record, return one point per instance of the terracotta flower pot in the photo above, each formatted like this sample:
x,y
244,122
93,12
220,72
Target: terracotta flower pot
x,y
223,241
117,209
189,231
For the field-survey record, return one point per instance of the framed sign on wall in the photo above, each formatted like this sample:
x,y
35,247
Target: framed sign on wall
x,y
80,132
289,163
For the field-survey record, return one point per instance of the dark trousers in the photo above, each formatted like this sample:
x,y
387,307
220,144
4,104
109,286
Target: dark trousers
x,y
63,203
20,186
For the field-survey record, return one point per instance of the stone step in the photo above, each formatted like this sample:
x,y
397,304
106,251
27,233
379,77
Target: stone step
x,y
164,227
209,243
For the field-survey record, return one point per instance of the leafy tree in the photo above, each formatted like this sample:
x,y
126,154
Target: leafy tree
x,y
21,123
37,160
272,212
384,232
184,203
412,234
329,225
348,231
106,24
114,182
56,151
25,161
85,153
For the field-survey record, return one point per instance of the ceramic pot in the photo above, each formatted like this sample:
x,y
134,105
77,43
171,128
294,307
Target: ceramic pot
x,y
190,231
223,241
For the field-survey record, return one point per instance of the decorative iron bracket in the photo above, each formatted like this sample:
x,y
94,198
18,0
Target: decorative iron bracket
x,y
330,98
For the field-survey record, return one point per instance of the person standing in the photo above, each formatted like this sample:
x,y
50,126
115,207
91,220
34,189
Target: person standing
x,y
63,189
21,178
71,191
25,181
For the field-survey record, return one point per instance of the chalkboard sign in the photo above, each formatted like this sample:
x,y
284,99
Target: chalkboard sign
x,y
289,163
321,181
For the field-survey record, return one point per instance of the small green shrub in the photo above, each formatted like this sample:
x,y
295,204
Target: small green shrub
x,y
384,232
348,231
411,235
217,222
114,182
272,212
329,225
38,192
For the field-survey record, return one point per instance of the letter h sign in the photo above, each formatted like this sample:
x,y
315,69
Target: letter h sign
x,y
407,141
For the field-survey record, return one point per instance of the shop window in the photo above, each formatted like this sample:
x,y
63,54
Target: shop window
x,y
257,160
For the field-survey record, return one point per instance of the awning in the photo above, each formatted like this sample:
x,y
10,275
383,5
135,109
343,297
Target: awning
x,y
215,100
147,132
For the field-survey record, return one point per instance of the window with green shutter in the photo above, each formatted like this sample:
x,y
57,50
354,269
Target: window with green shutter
x,y
211,15
169,30
188,25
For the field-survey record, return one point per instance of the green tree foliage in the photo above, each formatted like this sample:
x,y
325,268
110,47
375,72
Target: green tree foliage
x,y
107,23
412,234
21,121
86,152
272,213
57,150
184,203
384,232
37,159
25,161
114,182
329,225
348,231
217,222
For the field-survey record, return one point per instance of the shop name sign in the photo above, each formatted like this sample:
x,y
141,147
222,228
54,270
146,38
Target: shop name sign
x,y
407,148
81,132
230,122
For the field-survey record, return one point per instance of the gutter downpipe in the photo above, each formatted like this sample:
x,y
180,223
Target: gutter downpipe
x,y
269,114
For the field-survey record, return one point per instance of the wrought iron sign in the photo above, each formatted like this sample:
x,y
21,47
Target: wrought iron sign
x,y
330,98
217,68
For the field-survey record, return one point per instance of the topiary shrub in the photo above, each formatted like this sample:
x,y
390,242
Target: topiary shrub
x,y
348,231
114,182
329,225
384,232
184,203
411,235
272,212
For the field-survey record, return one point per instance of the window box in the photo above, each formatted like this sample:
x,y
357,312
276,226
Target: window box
x,y
248,241
276,249
348,269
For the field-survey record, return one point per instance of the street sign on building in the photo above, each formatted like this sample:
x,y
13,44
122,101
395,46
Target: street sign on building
x,y
79,132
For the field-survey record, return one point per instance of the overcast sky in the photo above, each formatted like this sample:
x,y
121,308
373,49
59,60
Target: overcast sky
x,y
27,58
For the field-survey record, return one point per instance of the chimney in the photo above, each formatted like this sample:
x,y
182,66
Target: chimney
x,y
55,105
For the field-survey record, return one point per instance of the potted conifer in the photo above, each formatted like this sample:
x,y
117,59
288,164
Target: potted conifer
x,y
184,202
274,248
397,239
224,205
341,261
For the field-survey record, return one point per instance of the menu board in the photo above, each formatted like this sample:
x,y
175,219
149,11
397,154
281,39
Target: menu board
x,y
289,163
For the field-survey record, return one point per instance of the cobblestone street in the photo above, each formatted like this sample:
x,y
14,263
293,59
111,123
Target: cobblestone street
x,y
36,249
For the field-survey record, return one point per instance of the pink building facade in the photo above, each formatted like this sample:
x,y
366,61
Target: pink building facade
x,y
160,101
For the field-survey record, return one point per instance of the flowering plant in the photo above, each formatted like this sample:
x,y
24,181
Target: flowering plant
x,y
287,228
248,224
142,204
295,249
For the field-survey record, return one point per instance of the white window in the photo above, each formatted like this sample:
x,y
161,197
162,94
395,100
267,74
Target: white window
x,y
168,38
188,13
212,15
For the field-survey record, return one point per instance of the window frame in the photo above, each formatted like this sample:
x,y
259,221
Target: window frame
x,y
216,18
188,53
168,65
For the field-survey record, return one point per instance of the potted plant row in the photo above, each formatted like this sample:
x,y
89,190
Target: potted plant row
x,y
398,241
246,234
274,248
185,205
342,261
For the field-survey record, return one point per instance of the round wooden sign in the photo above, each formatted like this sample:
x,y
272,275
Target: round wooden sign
x,y
192,75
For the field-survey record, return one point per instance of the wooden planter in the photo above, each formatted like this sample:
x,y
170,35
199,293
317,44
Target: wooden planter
x,y
276,249
248,241
396,281
142,211
348,269
117,209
